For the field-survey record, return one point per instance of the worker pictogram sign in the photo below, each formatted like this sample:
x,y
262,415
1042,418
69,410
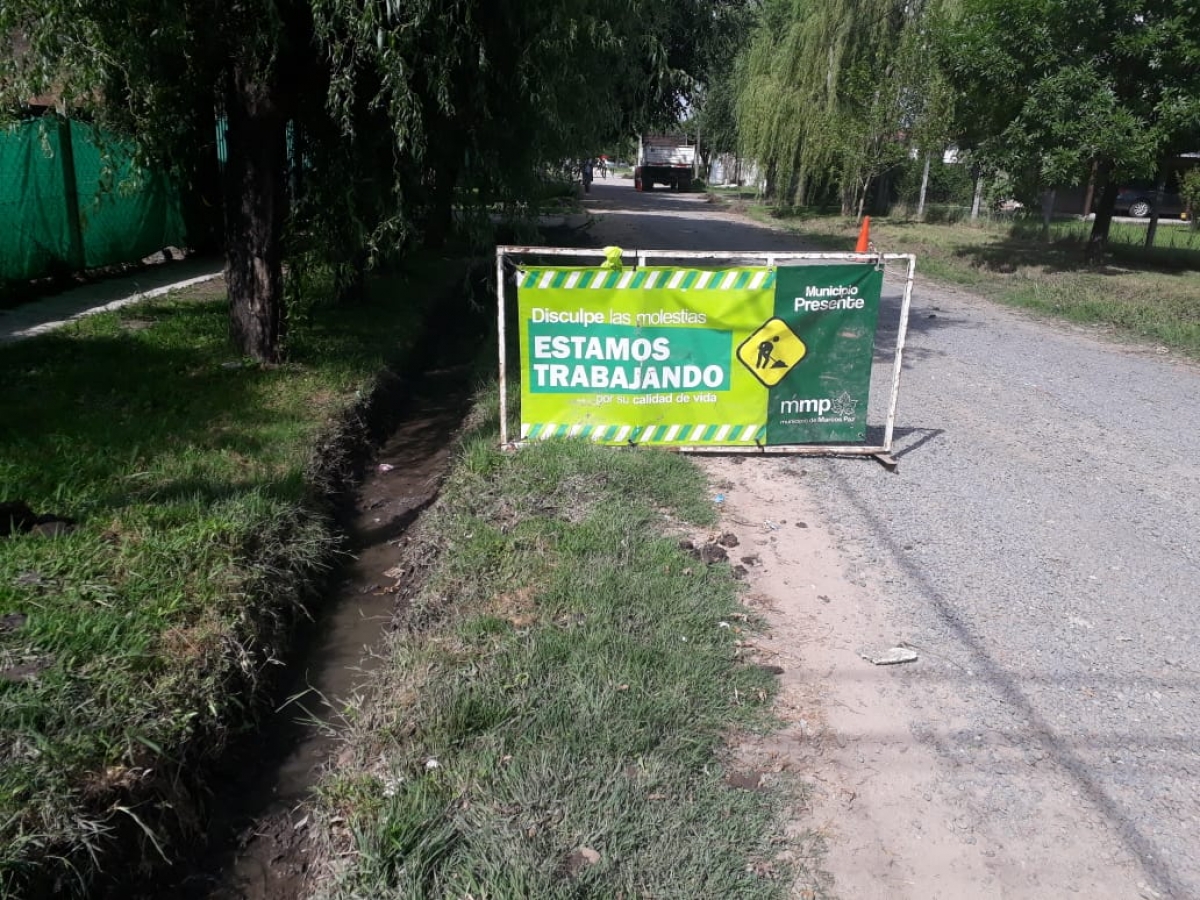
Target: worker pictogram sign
x,y
771,351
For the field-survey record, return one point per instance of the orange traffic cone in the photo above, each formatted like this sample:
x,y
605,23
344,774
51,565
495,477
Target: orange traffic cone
x,y
864,236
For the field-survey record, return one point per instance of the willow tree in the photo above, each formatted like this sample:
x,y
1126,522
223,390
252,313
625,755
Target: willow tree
x,y
160,73
823,96
475,98
403,111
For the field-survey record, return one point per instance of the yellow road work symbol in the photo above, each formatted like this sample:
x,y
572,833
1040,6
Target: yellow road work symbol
x,y
771,351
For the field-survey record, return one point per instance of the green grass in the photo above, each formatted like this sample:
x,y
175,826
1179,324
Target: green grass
x,y
1140,293
187,471
575,676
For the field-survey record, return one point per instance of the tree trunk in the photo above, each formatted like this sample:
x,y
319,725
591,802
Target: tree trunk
x,y
1048,198
1090,194
1160,187
255,209
924,189
1098,242
802,186
849,193
978,198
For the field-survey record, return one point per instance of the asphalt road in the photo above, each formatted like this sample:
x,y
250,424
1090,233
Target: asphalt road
x,y
1039,541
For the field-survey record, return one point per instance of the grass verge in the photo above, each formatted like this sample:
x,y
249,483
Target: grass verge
x,y
552,724
131,643
1145,294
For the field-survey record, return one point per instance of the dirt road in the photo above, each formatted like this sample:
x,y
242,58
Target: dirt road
x,y
1037,549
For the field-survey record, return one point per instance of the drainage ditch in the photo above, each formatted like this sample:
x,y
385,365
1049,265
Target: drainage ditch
x,y
258,843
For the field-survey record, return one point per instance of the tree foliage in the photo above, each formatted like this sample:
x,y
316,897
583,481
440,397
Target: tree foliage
x,y
727,28
830,94
1051,87
827,95
399,112
163,73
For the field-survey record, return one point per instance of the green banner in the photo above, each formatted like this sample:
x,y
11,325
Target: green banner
x,y
114,212
719,357
833,311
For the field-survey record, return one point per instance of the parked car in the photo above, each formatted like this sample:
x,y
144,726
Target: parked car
x,y
1139,202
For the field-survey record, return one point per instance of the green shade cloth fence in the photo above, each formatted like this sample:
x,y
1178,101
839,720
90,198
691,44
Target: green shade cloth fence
x,y
71,199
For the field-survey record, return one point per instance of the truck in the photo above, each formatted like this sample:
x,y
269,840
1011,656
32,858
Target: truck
x,y
667,159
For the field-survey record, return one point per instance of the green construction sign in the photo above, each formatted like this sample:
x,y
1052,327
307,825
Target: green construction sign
x,y
758,356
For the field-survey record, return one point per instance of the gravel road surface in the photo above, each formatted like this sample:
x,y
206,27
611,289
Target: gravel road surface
x,y
1038,547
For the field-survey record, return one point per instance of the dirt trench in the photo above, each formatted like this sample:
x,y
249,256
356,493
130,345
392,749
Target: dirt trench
x,y
257,836
269,857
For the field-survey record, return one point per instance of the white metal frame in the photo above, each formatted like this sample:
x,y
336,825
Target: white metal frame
x,y
769,258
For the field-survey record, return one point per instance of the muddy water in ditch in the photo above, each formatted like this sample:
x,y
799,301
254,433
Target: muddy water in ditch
x,y
265,853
